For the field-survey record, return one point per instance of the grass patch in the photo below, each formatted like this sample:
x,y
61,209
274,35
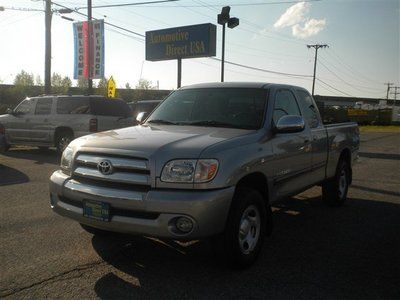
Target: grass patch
x,y
374,128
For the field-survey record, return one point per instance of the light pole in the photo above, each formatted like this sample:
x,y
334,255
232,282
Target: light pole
x,y
224,18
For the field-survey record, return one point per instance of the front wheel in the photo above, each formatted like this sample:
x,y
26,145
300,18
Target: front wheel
x,y
334,191
63,141
245,229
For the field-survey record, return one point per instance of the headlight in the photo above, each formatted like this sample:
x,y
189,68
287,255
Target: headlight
x,y
66,160
189,170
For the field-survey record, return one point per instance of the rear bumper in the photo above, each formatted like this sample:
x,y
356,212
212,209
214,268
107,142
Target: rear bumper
x,y
150,213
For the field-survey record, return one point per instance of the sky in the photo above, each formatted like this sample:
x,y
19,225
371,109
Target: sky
x,y
363,38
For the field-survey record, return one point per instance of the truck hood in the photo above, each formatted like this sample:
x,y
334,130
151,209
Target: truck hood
x,y
163,141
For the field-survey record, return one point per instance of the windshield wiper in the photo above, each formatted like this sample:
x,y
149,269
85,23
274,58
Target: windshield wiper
x,y
159,121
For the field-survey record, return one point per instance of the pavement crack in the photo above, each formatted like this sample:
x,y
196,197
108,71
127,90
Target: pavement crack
x,y
59,277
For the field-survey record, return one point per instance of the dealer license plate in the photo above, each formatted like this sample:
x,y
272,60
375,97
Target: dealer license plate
x,y
96,210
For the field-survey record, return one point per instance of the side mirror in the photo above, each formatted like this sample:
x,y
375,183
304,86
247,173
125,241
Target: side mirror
x,y
290,124
141,117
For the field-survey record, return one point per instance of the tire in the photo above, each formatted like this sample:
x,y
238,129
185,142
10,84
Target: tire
x,y
334,191
63,139
245,229
95,231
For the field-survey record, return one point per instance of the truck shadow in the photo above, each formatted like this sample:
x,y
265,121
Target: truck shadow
x,y
10,176
39,156
314,252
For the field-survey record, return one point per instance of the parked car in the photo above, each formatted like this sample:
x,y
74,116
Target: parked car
x,y
143,106
208,162
47,121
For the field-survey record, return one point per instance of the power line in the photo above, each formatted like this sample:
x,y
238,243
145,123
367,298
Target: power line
x,y
345,82
108,23
127,4
261,70
323,82
235,4
341,61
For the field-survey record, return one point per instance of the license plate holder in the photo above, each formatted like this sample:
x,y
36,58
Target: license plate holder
x,y
96,210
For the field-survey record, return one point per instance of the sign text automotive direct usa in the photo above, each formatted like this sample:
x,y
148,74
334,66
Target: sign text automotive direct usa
x,y
181,42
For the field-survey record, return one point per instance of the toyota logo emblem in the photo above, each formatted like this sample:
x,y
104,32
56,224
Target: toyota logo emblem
x,y
105,167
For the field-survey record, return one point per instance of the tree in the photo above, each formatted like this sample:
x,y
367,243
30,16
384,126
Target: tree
x,y
38,80
24,78
60,85
144,84
102,84
82,83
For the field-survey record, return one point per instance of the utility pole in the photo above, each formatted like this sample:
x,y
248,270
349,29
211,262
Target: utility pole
x,y
47,59
90,46
395,93
388,89
316,47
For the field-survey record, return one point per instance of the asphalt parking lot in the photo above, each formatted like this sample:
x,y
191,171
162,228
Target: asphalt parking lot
x,y
315,251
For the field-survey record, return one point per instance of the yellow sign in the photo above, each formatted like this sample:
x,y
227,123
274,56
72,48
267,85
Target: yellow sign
x,y
357,112
111,88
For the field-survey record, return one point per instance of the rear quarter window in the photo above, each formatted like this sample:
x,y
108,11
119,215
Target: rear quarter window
x,y
67,106
112,108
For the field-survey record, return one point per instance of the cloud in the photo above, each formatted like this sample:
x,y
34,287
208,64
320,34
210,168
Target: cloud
x,y
293,15
310,28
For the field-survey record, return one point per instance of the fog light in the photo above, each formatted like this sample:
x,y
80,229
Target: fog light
x,y
184,224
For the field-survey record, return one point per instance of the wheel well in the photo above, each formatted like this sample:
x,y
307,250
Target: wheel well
x,y
62,130
346,156
257,181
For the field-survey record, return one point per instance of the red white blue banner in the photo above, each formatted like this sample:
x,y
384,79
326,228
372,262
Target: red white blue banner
x,y
89,37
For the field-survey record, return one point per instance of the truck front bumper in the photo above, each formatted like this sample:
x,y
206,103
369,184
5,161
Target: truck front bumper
x,y
154,215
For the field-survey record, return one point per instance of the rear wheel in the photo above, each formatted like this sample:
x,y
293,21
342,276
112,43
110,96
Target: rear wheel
x,y
334,191
245,229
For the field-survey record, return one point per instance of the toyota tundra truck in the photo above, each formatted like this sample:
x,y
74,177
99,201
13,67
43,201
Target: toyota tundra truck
x,y
207,162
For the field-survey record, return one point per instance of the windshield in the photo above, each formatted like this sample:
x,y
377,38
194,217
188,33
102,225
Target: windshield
x,y
214,107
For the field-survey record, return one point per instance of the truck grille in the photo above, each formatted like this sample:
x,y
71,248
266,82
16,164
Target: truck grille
x,y
126,172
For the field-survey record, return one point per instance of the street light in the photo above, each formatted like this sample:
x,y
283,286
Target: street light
x,y
222,19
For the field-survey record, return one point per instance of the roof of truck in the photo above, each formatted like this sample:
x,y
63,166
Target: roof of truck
x,y
253,85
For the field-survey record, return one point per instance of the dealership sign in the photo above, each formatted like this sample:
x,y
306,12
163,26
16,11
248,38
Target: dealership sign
x,y
181,42
83,34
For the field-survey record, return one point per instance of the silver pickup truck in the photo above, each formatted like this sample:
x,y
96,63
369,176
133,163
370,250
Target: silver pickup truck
x,y
208,162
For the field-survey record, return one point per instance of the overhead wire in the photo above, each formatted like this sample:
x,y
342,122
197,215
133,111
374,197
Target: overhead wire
x,y
345,82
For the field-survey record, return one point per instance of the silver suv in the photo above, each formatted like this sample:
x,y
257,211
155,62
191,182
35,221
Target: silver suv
x,y
48,121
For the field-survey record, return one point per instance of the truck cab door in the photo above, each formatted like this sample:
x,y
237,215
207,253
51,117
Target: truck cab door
x,y
19,125
292,157
319,142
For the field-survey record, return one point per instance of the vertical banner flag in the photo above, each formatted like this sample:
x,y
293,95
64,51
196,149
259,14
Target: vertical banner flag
x,y
83,68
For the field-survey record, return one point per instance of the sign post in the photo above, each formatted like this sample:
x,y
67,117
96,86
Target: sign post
x,y
181,42
111,88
